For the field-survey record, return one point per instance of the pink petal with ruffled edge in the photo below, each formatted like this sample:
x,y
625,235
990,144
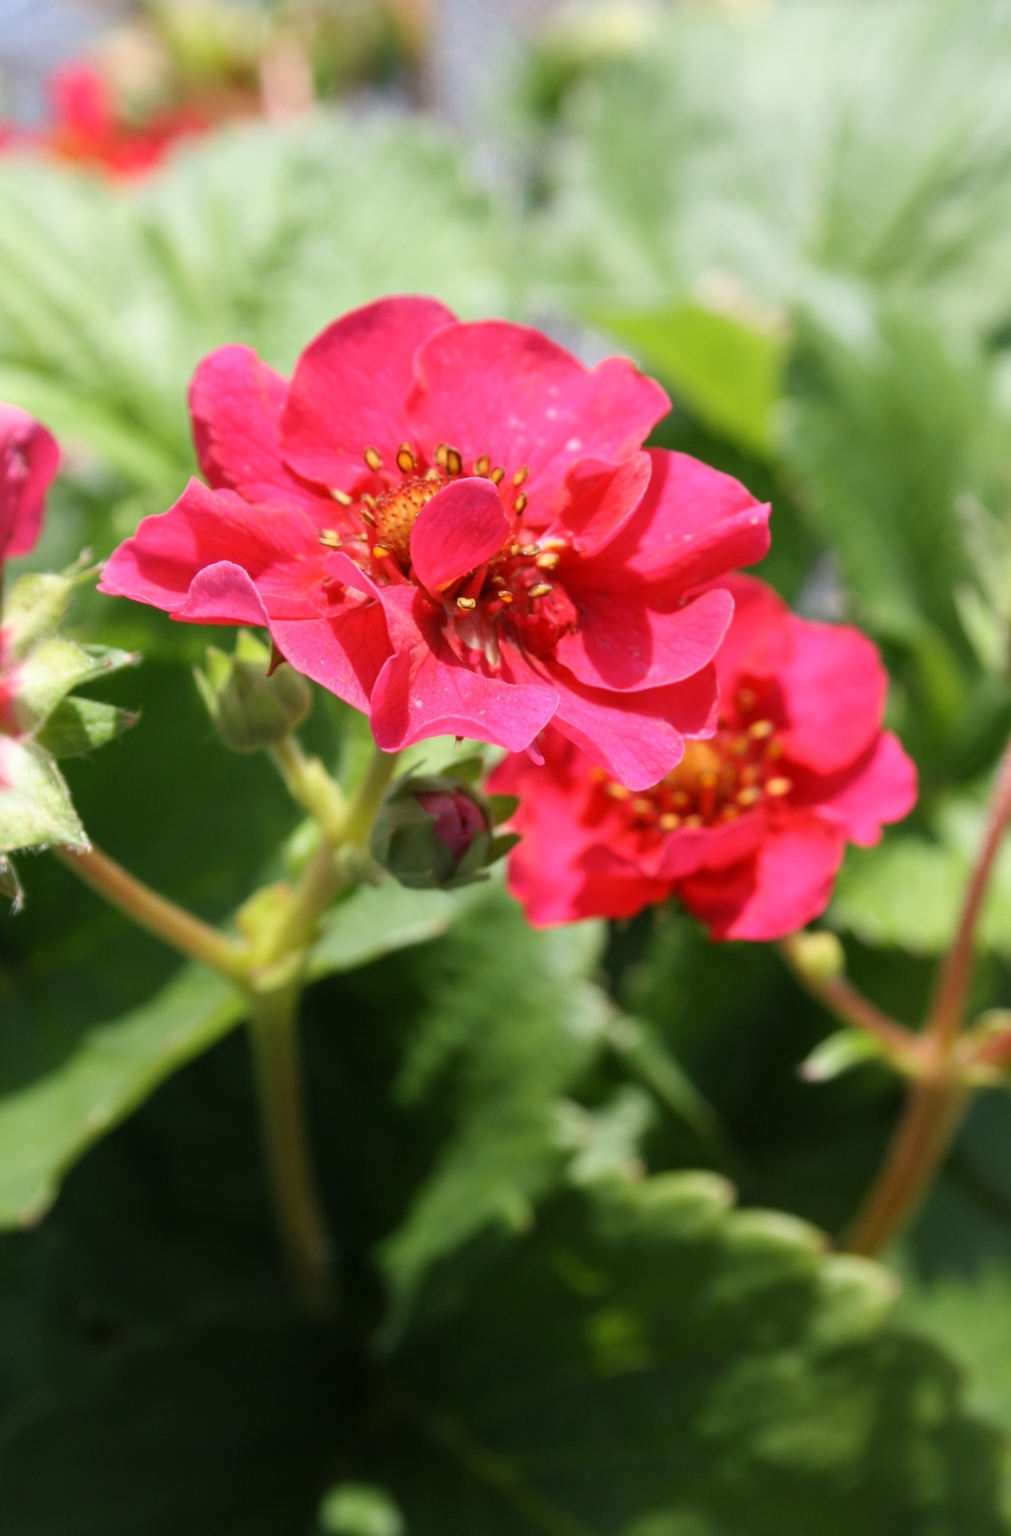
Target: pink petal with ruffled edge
x,y
349,389
344,654
785,886
235,406
636,737
277,547
458,530
598,500
29,459
508,392
222,594
693,524
623,644
881,790
834,687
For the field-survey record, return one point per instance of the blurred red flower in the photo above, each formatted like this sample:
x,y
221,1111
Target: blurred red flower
x,y
453,527
29,459
750,828
86,129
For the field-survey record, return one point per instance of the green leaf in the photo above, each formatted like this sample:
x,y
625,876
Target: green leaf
x,y
377,920
838,1053
220,1430
650,1354
53,667
80,725
35,804
729,371
905,892
47,1126
513,1013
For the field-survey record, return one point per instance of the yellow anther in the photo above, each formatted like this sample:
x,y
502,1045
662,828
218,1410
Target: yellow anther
x,y
682,799
498,475
432,474
440,455
749,796
454,462
530,550
520,504
642,807
406,462
778,786
373,460
749,775
617,791
482,465
669,822
761,730
367,517
380,552
330,538
693,821
541,590
547,562
341,496
505,597
520,475
466,602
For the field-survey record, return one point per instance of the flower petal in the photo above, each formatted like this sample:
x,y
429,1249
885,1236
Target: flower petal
x,y
222,593
235,405
621,643
693,524
759,642
834,688
425,689
785,885
29,459
508,392
278,547
597,501
636,737
349,389
344,654
458,530
882,788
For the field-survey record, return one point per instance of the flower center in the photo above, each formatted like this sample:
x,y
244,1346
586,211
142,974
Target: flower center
x,y
736,771
513,583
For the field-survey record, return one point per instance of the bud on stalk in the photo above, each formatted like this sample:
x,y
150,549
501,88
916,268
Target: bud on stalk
x,y
437,832
252,707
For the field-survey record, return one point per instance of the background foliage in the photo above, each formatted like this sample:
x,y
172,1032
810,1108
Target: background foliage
x,y
557,1318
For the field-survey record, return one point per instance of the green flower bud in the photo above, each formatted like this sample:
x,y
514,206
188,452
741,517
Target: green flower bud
x,y
252,707
436,831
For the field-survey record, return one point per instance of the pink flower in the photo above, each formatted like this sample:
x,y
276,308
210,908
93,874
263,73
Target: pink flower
x,y
750,829
29,459
453,528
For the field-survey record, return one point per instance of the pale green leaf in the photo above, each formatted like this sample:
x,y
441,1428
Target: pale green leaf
x,y
77,726
35,805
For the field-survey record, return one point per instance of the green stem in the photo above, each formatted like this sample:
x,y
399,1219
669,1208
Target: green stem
x,y
273,1028
174,926
849,1006
311,787
937,1102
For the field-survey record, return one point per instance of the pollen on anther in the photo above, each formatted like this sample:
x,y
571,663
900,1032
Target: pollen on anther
x,y
547,562
454,462
761,730
642,806
406,462
778,786
541,590
440,455
482,465
373,460
380,552
669,822
505,597
341,496
466,602
617,791
497,474
367,517
530,550
330,538
749,796
521,474
520,504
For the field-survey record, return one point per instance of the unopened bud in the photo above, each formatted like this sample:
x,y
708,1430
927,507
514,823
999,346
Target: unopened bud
x,y
819,955
251,706
436,831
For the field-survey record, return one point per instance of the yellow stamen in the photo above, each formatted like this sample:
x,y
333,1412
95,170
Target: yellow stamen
x,y
520,503
380,552
669,822
749,796
341,496
520,475
482,465
547,562
466,602
530,550
454,462
330,538
778,787
373,460
498,475
541,590
761,730
406,462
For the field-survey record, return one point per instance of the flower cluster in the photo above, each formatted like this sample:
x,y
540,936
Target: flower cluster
x,y
454,528
750,828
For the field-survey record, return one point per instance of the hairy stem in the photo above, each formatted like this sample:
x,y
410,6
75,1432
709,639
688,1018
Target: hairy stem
x,y
273,1028
936,1103
172,924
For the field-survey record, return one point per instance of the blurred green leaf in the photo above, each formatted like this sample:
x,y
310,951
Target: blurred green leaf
x,y
81,725
728,370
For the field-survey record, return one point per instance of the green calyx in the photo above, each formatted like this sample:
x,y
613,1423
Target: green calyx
x,y
253,706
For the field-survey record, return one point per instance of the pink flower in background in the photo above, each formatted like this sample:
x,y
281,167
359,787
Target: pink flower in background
x,y
750,828
453,527
29,459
